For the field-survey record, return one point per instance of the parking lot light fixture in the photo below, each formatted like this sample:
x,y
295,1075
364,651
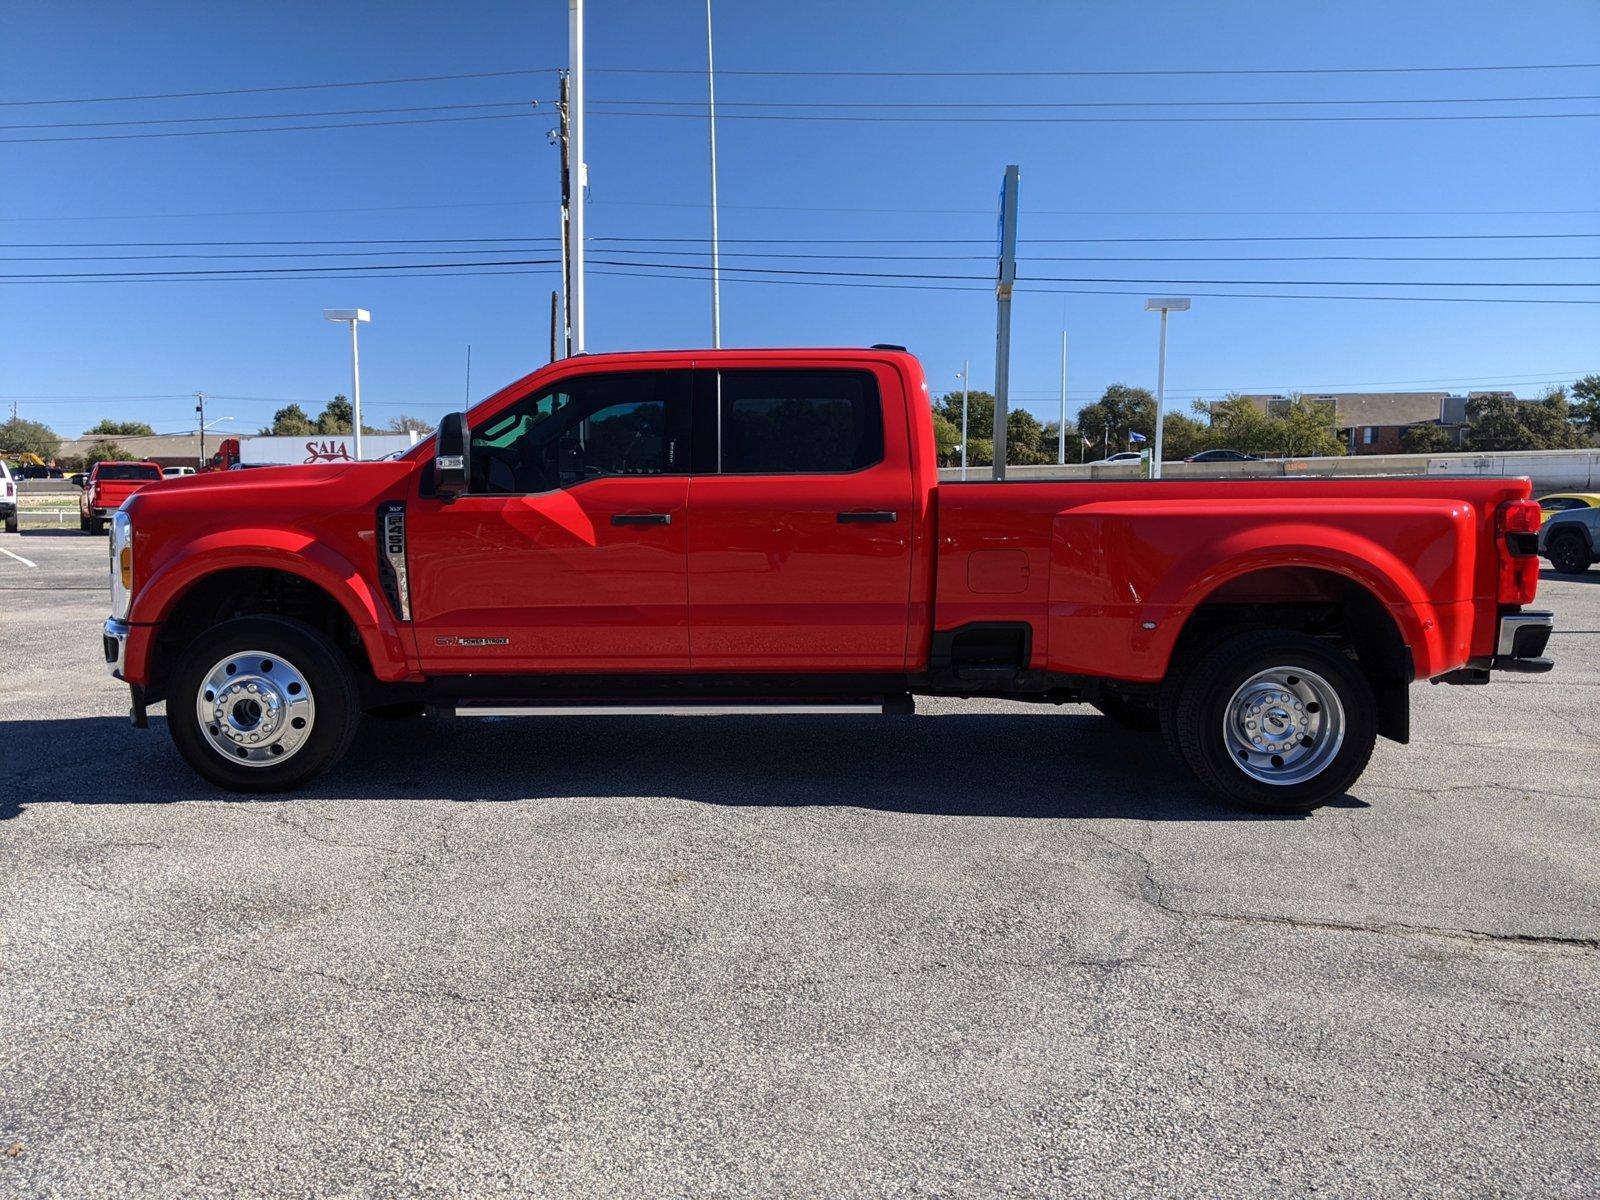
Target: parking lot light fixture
x,y
1163,305
354,316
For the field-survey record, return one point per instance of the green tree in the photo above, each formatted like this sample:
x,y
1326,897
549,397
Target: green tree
x,y
104,450
1499,421
980,413
1586,406
1121,410
18,436
290,421
337,417
110,428
947,438
1304,429
1025,440
1181,436
1426,438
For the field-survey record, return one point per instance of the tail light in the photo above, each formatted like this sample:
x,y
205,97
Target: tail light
x,y
1517,543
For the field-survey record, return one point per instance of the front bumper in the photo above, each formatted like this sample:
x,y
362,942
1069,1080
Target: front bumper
x,y
114,642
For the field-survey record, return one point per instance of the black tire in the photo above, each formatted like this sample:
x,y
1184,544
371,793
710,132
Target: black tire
x,y
1568,553
1202,707
11,522
1130,714
328,679
83,523
97,526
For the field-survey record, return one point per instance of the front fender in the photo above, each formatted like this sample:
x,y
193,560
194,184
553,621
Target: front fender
x,y
294,552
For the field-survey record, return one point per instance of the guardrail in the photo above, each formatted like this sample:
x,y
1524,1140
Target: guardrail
x,y
1550,470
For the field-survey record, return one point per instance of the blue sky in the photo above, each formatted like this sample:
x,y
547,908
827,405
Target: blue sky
x,y
799,180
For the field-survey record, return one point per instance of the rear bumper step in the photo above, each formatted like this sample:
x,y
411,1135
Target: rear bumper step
x,y
859,706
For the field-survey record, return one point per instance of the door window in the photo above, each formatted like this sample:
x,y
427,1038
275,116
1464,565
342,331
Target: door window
x,y
587,427
797,422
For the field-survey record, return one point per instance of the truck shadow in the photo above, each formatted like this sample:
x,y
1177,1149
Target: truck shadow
x,y
1045,764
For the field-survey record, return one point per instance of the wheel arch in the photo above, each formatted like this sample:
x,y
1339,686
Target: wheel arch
x,y
1321,599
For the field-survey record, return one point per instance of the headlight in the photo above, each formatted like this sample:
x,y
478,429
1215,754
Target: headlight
x,y
121,564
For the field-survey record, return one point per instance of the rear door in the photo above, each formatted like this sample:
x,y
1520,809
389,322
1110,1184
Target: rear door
x,y
800,519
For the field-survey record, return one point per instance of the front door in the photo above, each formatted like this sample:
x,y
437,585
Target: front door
x,y
567,552
801,518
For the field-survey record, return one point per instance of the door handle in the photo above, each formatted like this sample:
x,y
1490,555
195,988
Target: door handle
x,y
868,518
641,518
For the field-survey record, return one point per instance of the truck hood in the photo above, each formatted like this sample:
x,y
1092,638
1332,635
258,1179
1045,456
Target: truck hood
x,y
270,490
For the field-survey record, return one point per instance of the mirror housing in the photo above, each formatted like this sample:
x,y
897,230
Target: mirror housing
x,y
452,462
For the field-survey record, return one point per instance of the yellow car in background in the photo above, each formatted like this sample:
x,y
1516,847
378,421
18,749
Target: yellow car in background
x,y
1566,502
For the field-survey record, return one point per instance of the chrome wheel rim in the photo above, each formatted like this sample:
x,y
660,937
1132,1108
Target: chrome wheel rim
x,y
255,708
1283,725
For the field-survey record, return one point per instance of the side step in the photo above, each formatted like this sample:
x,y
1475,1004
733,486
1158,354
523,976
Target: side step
x,y
864,706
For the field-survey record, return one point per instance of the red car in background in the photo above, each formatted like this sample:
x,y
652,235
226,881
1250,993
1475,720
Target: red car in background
x,y
107,486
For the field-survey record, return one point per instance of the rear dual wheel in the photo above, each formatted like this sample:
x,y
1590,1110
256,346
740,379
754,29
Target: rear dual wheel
x,y
1272,720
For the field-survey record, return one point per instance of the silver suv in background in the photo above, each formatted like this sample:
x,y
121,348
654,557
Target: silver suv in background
x,y
1570,540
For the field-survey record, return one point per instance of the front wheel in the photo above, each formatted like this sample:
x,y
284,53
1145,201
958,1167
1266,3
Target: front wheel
x,y
1569,554
11,522
1275,721
261,704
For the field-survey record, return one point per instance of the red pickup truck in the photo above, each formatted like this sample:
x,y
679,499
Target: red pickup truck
x,y
765,532
107,486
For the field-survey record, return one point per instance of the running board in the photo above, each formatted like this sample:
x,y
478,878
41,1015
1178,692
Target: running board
x,y
874,706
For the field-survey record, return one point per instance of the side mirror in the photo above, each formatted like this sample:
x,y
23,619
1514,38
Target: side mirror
x,y
452,462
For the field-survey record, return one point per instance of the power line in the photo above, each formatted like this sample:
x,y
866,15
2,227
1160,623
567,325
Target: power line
x,y
1031,104
291,87
1252,120
1078,212
611,242
1008,73
335,112
121,137
985,290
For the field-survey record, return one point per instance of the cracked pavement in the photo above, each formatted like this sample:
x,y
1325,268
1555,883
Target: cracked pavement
x,y
996,950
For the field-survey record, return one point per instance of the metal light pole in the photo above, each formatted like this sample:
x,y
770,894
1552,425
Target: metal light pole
x,y
1006,279
1061,431
716,261
966,369
575,310
354,317
1163,305
200,411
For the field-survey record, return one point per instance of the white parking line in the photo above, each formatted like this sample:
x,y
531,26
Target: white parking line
x,y
27,562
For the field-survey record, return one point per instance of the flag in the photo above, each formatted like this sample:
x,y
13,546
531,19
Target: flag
x,y
1087,442
1137,437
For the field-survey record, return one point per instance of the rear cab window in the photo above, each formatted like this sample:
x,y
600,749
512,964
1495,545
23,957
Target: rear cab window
x,y
788,422
127,471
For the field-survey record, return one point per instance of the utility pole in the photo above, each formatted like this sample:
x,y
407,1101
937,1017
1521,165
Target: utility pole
x,y
469,374
1002,293
200,408
564,140
555,323
1061,431
716,261
575,235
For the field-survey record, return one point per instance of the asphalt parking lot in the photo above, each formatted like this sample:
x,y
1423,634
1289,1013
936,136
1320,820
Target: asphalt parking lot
x,y
994,950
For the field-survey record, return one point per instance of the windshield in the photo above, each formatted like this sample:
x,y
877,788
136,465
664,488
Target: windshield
x,y
128,471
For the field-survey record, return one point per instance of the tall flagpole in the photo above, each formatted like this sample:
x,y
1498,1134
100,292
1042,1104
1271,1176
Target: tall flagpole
x,y
716,262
